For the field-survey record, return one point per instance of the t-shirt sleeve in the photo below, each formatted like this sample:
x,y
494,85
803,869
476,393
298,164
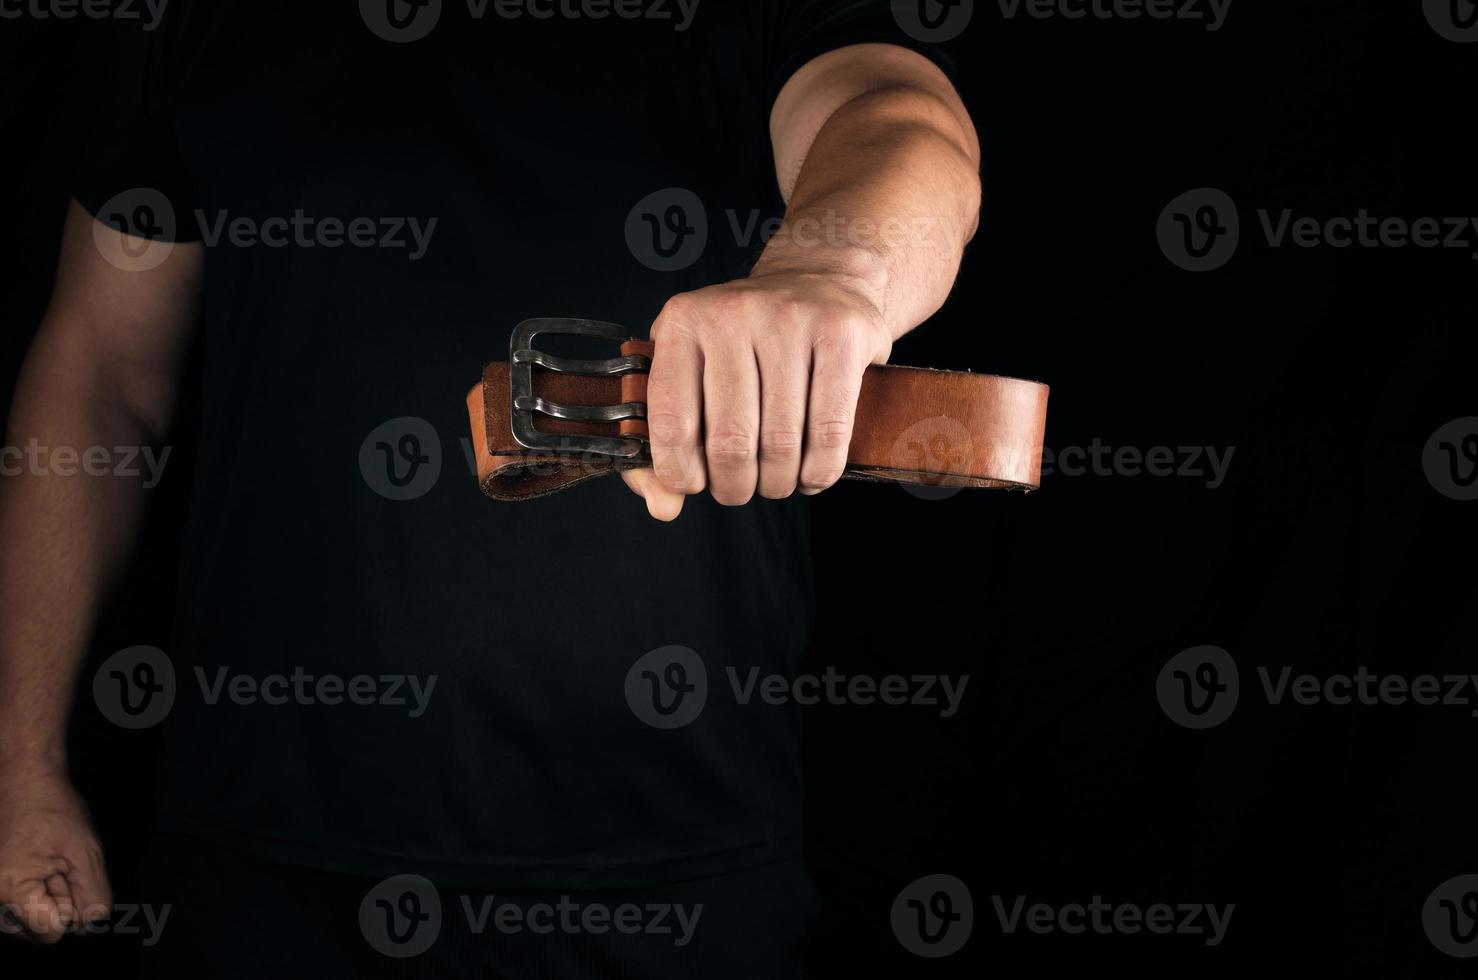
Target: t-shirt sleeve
x,y
801,30
130,175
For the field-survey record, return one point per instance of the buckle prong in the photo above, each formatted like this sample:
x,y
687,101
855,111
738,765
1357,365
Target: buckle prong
x,y
580,413
569,365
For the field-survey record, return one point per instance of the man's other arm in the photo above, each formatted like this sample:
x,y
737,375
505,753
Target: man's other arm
x,y
103,370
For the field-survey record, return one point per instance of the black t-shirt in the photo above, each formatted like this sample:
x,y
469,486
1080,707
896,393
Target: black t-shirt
x,y
336,529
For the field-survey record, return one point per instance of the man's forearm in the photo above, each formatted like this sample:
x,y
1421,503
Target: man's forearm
x,y
65,533
888,195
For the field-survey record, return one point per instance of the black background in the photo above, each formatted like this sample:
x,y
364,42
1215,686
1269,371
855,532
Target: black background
x,y
1324,371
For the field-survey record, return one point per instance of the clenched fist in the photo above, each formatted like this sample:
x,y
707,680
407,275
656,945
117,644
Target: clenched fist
x,y
52,878
755,386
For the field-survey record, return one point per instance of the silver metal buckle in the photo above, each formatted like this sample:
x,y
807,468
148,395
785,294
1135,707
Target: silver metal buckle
x,y
523,358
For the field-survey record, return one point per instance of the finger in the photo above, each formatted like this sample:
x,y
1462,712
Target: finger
x,y
662,503
731,420
59,887
90,889
837,363
784,377
675,405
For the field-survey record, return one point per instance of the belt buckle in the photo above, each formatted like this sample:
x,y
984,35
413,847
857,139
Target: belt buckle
x,y
523,357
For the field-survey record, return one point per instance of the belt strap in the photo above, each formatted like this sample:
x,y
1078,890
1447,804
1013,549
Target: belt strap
x,y
913,425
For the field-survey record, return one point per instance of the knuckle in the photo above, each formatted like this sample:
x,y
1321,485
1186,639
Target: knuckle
x,y
780,444
831,433
837,321
838,335
676,318
677,307
791,308
734,302
672,428
730,449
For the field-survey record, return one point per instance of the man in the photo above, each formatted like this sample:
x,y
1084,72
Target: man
x,y
356,207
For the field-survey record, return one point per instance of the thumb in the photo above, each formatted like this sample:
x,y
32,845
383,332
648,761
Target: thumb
x,y
662,503
33,913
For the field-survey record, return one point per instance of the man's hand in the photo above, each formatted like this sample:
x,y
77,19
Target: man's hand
x,y
755,382
52,877
756,386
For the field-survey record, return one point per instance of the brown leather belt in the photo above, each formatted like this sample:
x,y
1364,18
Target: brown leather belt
x,y
913,425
